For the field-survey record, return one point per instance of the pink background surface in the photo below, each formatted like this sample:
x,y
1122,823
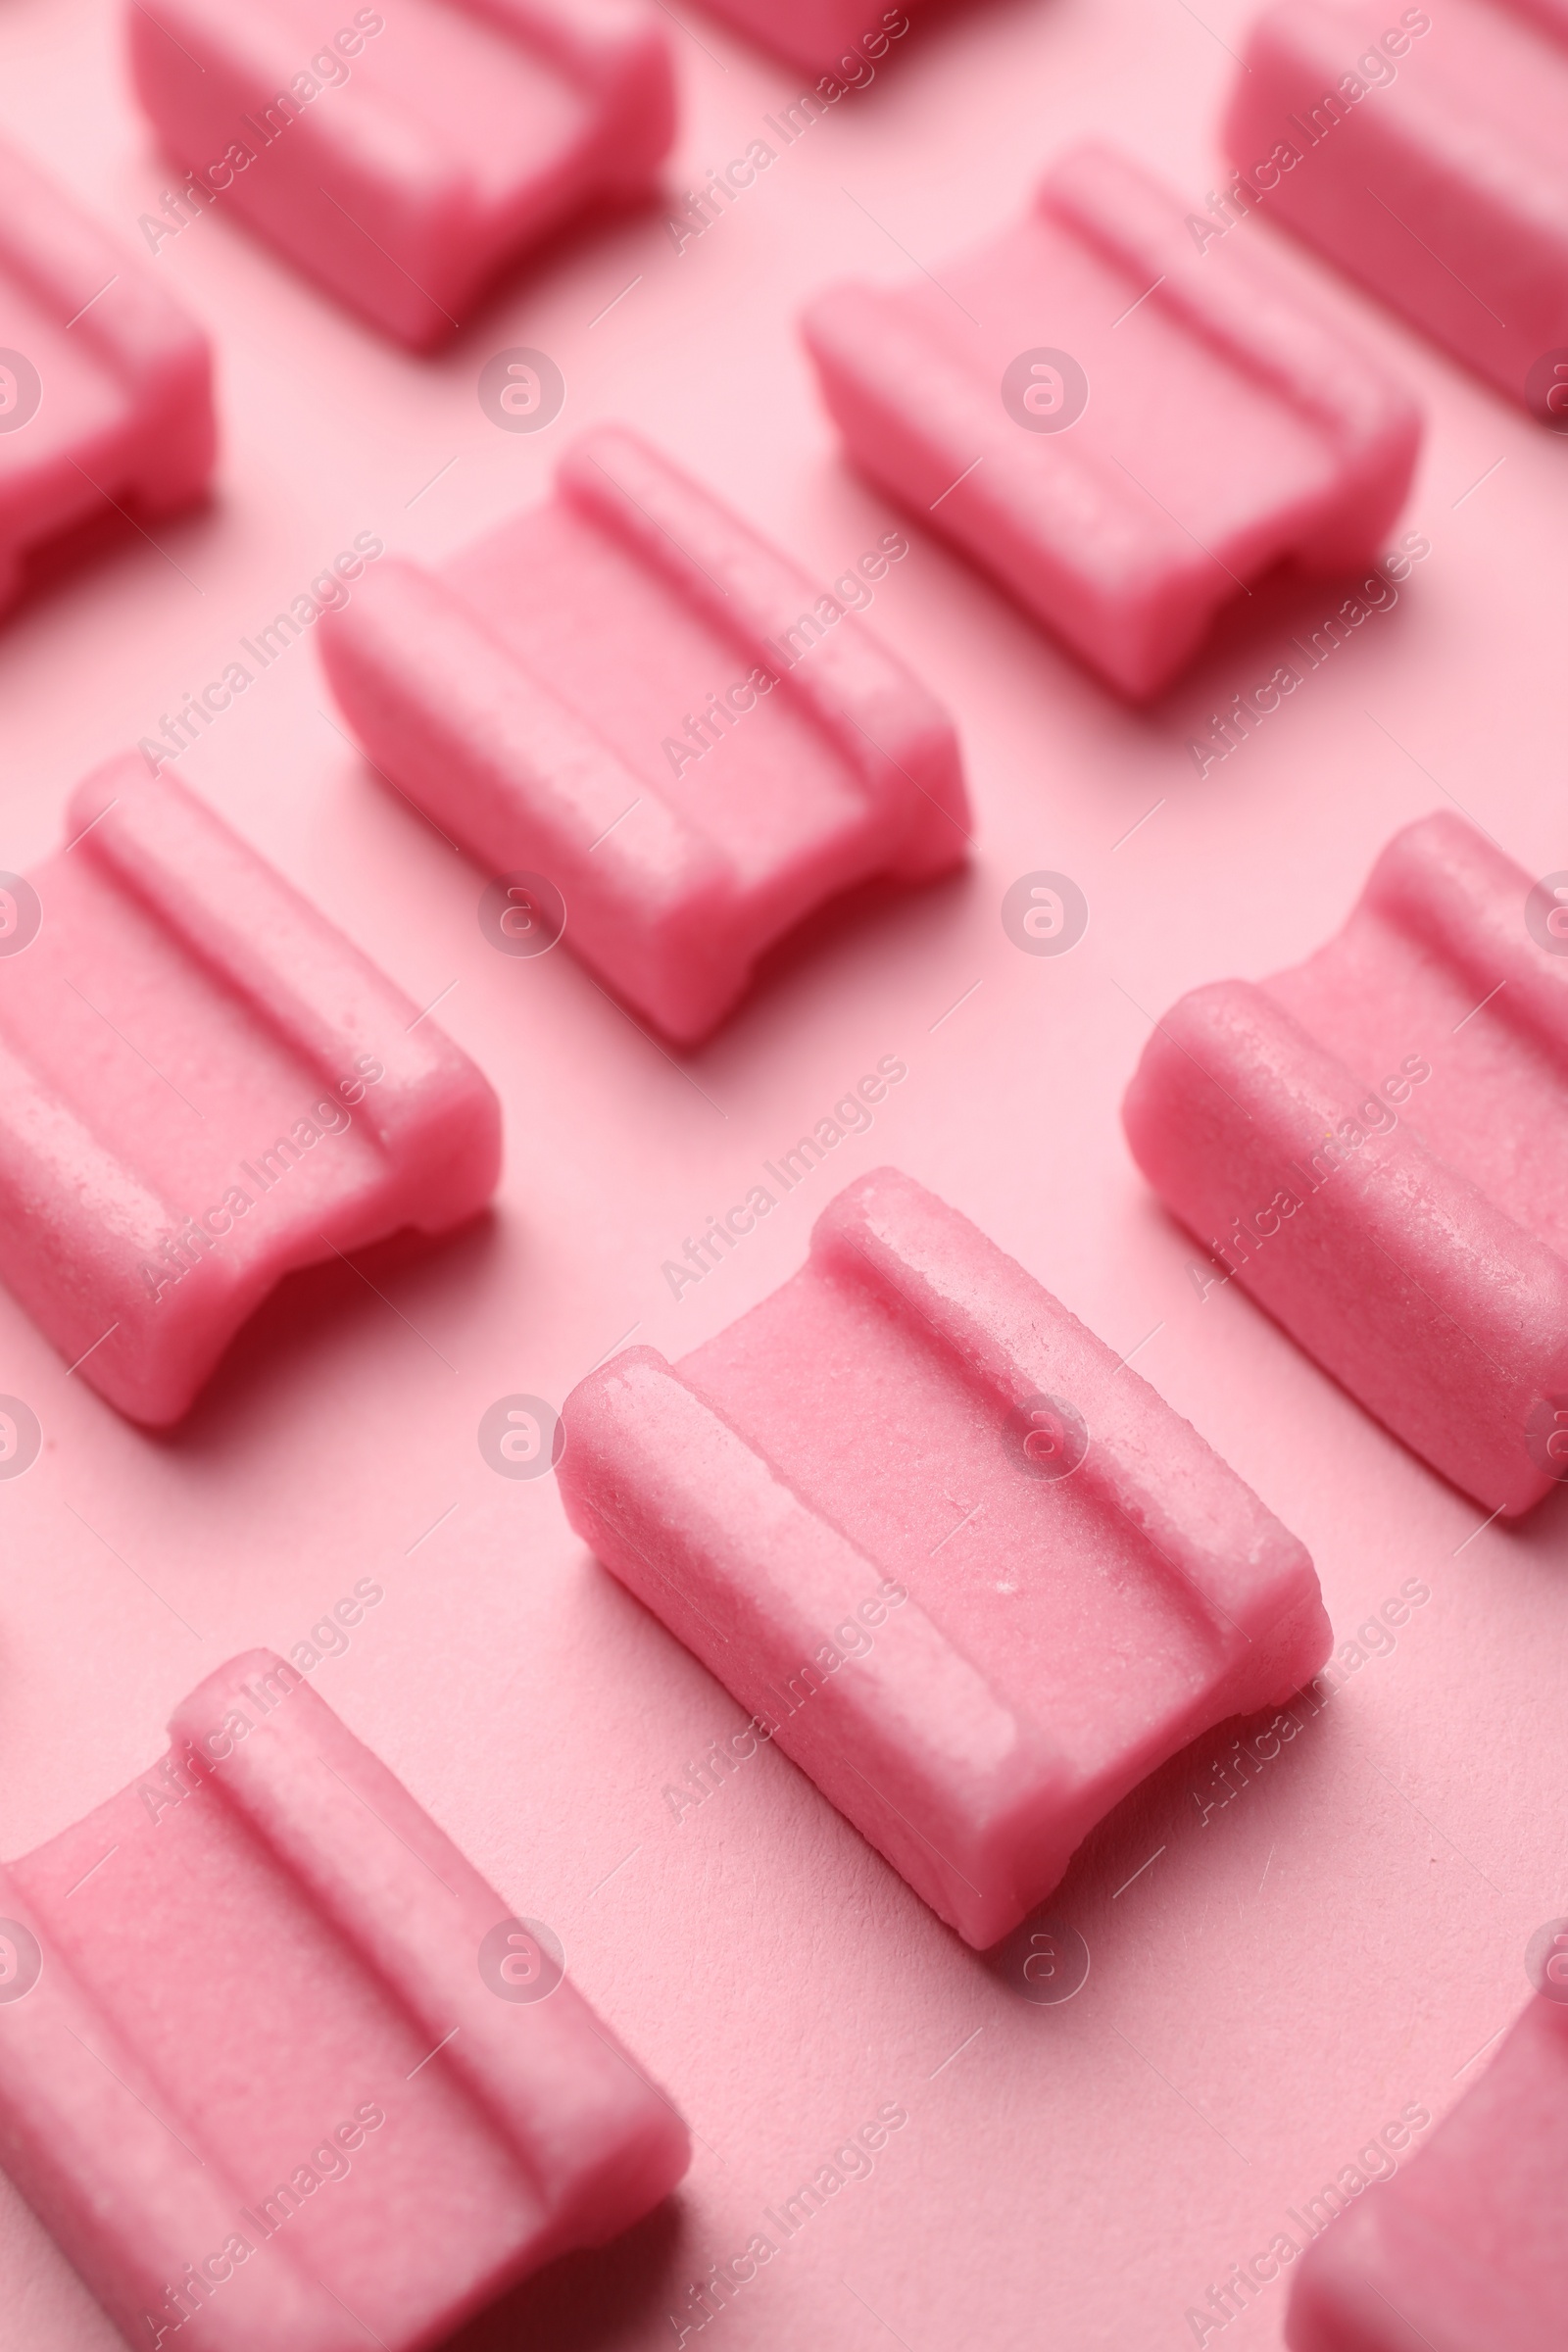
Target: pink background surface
x,y
1275,1987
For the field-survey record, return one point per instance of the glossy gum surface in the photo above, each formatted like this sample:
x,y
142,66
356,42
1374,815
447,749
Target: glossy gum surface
x,y
1231,425
1464,2251
1439,176
851,1441
1426,1262
124,410
242,1957
438,143
528,699
190,1105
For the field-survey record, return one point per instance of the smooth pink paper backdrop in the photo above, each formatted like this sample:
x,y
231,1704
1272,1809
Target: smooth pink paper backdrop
x,y
1276,1985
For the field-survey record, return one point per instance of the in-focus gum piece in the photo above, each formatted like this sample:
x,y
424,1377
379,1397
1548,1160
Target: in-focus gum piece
x,y
1372,1145
1426,153
403,158
549,698
203,1086
820,36
976,1572
1462,2251
112,400
271,2015
1211,421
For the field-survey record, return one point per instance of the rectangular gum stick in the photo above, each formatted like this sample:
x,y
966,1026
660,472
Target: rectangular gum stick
x,y
1414,1266
1225,424
1422,150
669,896
139,1281
111,346
313,1858
976,1796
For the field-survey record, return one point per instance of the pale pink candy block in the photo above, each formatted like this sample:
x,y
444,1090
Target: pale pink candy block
x,y
203,1086
1426,152
1124,430
105,382
1372,1145
629,693
402,157
277,2063
820,36
913,1514
1464,2251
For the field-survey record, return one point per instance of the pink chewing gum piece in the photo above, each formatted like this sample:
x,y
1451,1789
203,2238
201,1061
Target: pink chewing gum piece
x,y
203,1085
275,2060
403,158
976,1573
1372,1145
548,697
1123,429
1426,154
1464,2251
817,34
105,382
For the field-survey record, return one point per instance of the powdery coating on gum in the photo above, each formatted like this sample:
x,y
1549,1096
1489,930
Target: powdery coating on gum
x,y
911,1513
1222,422
292,1110
402,157
259,2071
105,381
1371,1144
1426,153
630,694
1462,2251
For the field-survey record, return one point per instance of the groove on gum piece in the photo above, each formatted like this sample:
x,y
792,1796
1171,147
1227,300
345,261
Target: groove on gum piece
x,y
980,1578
